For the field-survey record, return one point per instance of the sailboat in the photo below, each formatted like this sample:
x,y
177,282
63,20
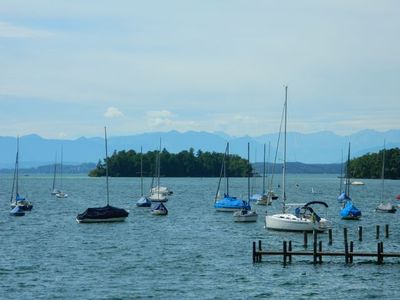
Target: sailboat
x,y
159,193
349,210
54,190
245,214
305,219
143,201
19,201
384,207
107,213
227,203
61,193
159,210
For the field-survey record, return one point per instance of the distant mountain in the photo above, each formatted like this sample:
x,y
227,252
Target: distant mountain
x,y
314,148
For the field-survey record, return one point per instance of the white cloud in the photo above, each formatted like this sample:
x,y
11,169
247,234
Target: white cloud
x,y
8,30
113,112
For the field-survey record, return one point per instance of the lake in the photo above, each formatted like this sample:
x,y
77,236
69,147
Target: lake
x,y
193,253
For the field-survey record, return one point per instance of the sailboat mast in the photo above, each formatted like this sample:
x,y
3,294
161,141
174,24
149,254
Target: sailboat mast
x,y
284,153
248,172
141,171
17,168
348,173
105,138
341,176
222,172
263,189
159,166
54,173
383,170
226,169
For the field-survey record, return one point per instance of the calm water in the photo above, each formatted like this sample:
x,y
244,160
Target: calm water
x,y
192,253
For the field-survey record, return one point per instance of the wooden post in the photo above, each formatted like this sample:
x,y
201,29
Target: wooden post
x,y
345,234
320,251
330,236
381,252
259,258
305,239
351,251
254,252
284,252
290,251
360,231
377,232
346,252
378,254
315,247
386,230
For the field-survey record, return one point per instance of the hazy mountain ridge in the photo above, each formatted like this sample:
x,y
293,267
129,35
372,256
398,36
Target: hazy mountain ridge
x,y
322,147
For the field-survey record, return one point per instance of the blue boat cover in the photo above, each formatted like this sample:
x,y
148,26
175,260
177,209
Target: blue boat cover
x,y
143,202
350,210
106,212
161,206
343,197
232,203
19,198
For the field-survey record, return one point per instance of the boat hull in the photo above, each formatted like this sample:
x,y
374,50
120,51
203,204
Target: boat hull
x,y
245,217
88,220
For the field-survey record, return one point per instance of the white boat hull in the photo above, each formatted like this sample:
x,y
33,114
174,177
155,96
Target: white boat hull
x,y
227,209
289,222
248,217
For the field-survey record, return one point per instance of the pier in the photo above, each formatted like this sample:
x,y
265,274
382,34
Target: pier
x,y
318,253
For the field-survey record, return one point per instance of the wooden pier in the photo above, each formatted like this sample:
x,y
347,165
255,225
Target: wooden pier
x,y
317,252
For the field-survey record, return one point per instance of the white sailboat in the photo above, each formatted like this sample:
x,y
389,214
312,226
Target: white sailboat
x,y
61,194
54,190
306,219
159,193
384,207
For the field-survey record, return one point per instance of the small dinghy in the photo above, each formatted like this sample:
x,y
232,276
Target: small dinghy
x,y
159,210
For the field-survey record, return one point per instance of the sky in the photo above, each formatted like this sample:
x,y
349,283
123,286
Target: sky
x,y
69,68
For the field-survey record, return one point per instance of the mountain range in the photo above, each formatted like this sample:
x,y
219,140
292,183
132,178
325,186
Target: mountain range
x,y
322,147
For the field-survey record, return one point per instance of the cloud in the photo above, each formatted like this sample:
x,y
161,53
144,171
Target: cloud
x,y
159,118
8,30
113,112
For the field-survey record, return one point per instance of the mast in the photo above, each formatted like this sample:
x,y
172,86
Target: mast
x,y
263,189
383,170
55,170
348,173
226,169
284,153
17,168
15,175
105,138
341,176
159,166
141,171
248,172
221,173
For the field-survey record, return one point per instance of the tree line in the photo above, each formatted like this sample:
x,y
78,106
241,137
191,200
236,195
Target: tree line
x,y
370,165
183,164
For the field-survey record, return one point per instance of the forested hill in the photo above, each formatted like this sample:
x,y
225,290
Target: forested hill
x,y
183,164
370,165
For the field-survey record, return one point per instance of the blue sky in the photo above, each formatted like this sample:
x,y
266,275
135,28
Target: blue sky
x,y
70,67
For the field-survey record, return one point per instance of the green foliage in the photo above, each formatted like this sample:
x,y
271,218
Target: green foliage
x,y
370,165
183,164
